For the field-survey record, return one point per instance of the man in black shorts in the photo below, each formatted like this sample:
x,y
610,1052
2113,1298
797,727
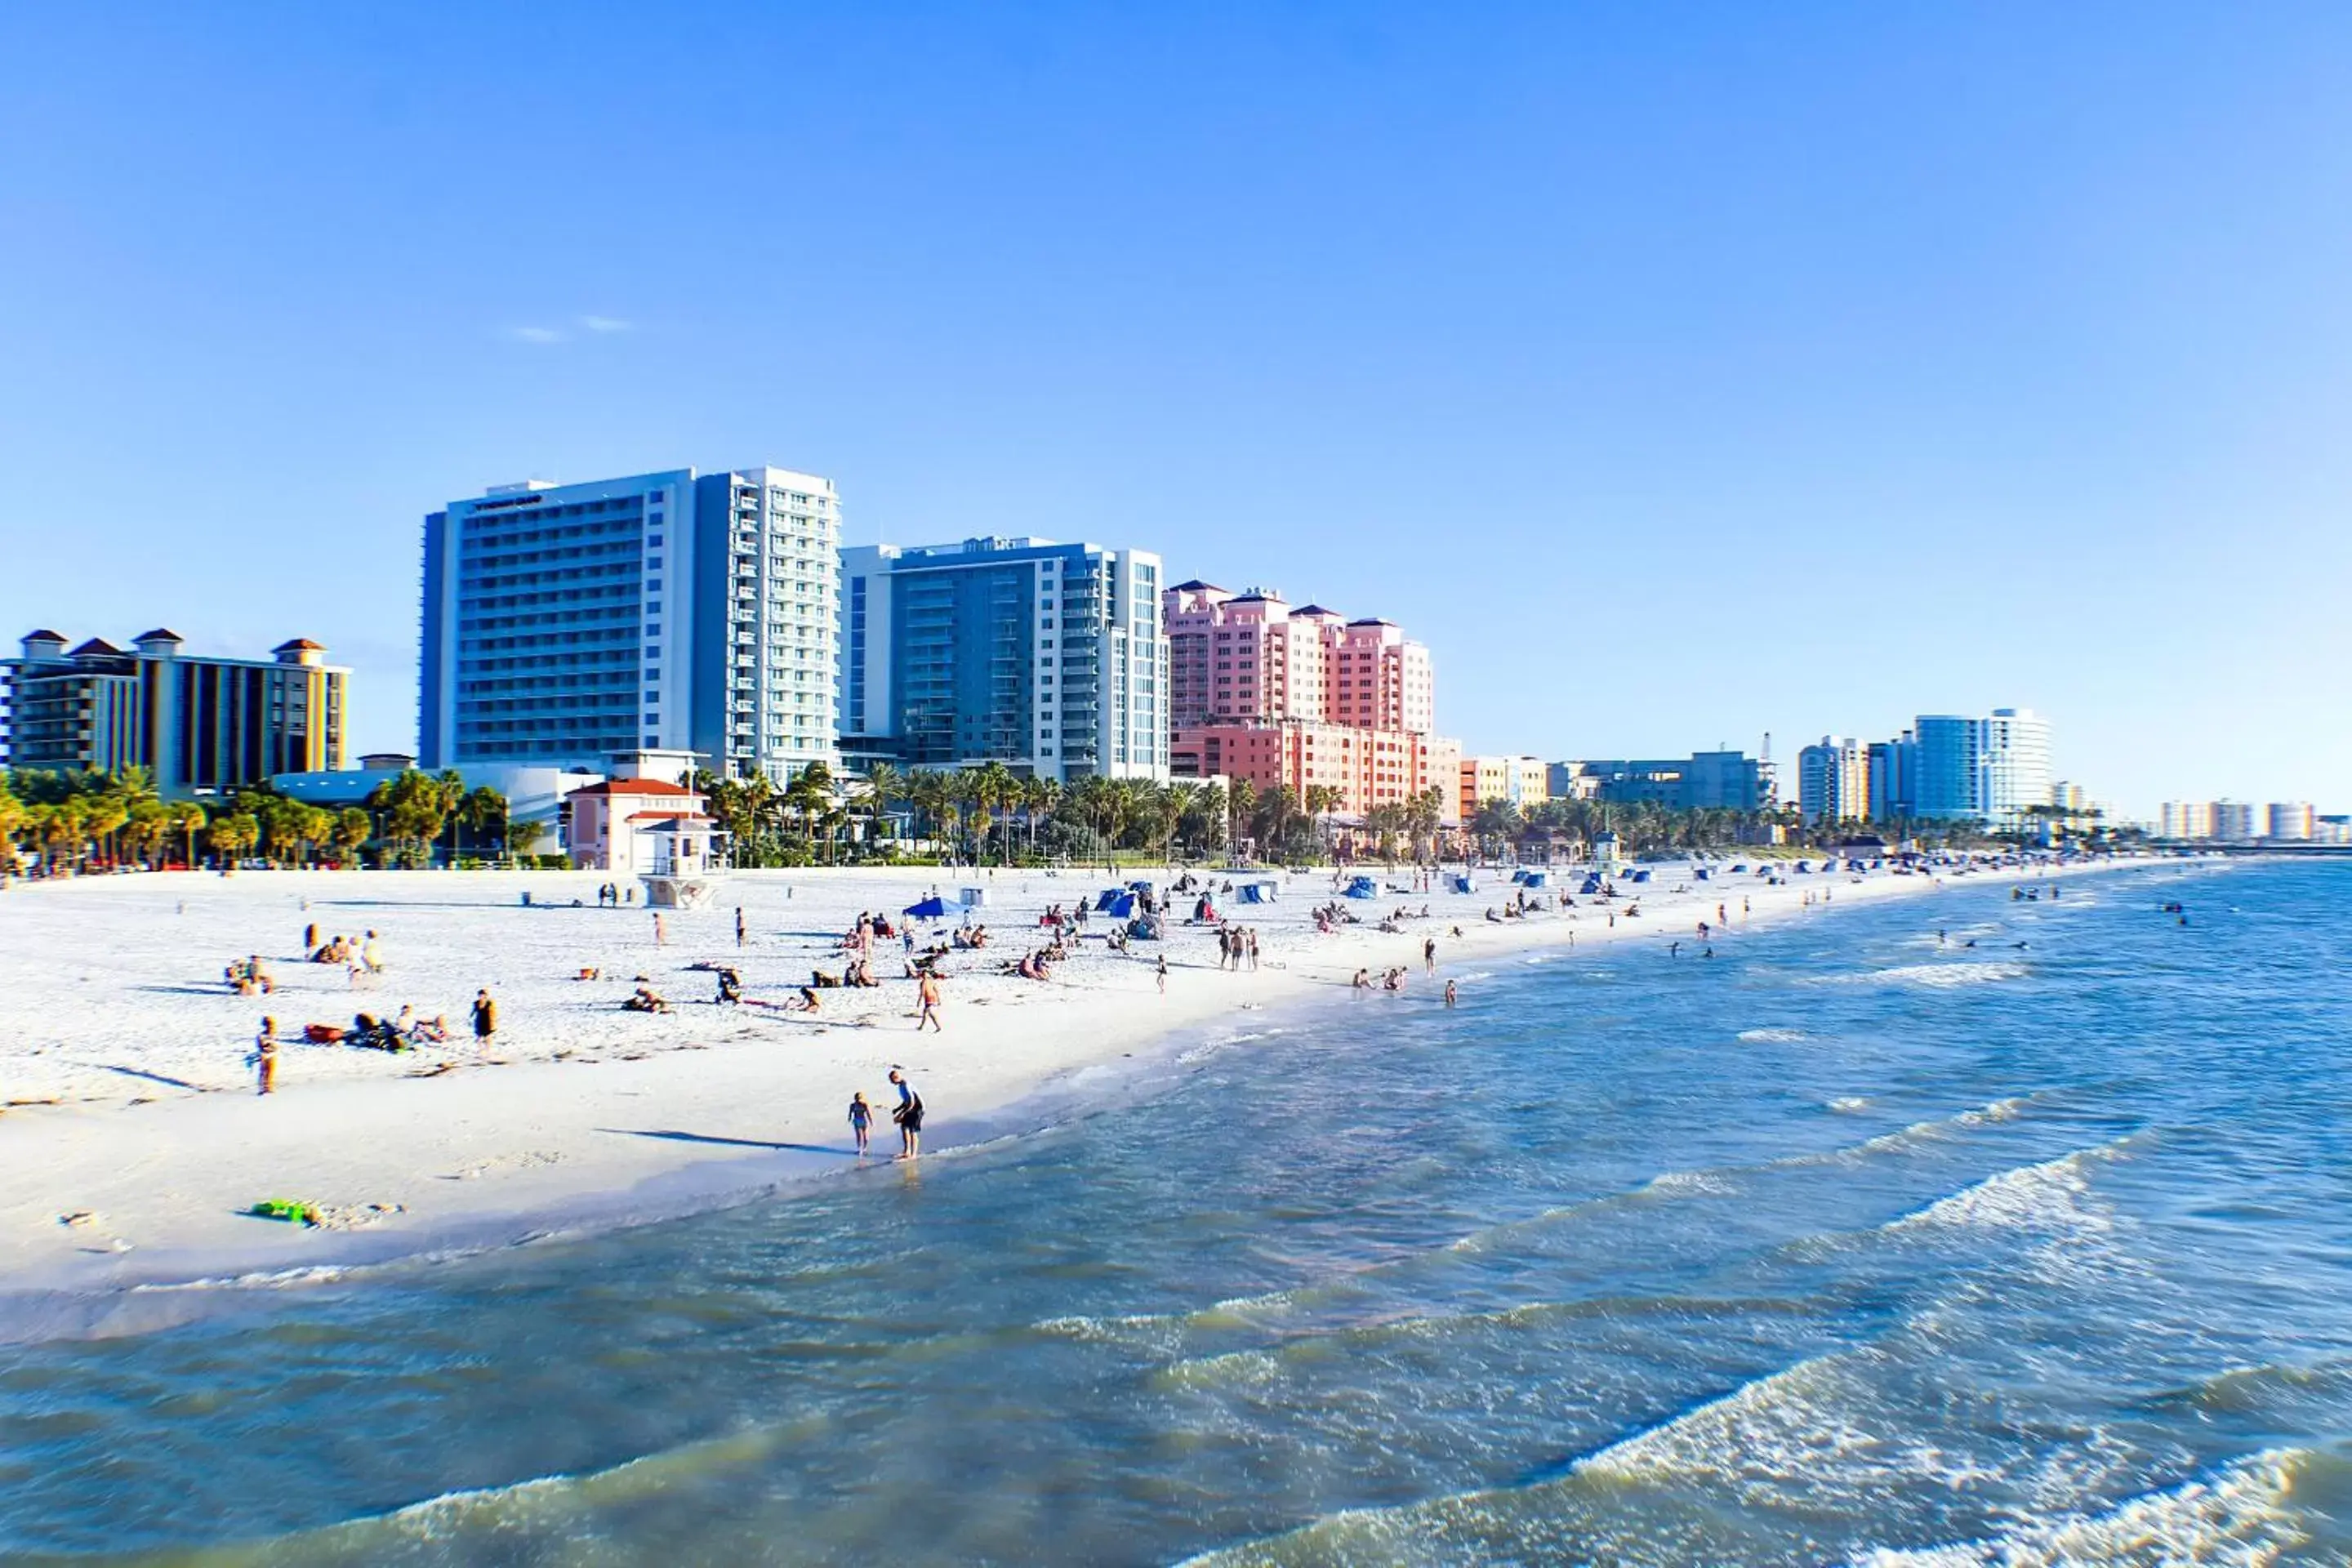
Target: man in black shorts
x,y
908,1116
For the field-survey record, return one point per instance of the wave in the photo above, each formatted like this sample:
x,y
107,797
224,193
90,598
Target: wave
x,y
1848,1103
2244,1515
1975,972
2053,1197
1773,1037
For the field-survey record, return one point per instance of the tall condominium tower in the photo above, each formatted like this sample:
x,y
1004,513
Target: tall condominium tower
x,y
1046,658
1834,780
1989,769
664,611
199,724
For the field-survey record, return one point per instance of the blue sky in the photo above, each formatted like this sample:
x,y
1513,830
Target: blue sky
x,y
1677,373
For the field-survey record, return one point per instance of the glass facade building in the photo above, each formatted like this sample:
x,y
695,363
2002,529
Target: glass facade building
x,y
1048,657
665,611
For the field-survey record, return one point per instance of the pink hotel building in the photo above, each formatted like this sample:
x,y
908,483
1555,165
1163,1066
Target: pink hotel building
x,y
1261,692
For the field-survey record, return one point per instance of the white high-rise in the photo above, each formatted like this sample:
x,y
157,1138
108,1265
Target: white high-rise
x,y
2016,764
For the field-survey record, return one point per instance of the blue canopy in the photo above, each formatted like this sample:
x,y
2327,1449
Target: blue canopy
x,y
1702,873
1641,876
1534,879
1110,896
1363,887
1463,884
1253,893
1518,877
1120,905
931,908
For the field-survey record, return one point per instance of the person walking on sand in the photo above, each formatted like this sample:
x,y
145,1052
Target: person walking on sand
x,y
861,1121
1163,975
927,991
486,1019
264,1057
738,925
908,1116
661,931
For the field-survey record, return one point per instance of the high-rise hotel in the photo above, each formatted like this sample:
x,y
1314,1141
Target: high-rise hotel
x,y
1302,697
670,611
1046,658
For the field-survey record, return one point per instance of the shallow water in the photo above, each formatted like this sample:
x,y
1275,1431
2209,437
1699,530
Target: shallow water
x,y
1840,1248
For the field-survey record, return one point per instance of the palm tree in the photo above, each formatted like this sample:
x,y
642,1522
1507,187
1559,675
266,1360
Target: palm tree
x,y
993,785
188,818
484,810
352,830
452,786
1241,803
884,783
1038,796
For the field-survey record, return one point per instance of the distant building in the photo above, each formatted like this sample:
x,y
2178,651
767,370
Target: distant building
x,y
1893,779
2332,829
1990,770
2237,822
1717,780
1523,782
641,828
534,795
565,623
200,724
2186,819
1833,780
1299,696
1046,658
2291,821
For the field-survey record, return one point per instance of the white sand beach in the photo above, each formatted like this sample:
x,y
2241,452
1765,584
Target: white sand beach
x,y
134,1142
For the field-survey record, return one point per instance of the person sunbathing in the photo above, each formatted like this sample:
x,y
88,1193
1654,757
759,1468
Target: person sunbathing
x,y
824,982
806,1002
645,999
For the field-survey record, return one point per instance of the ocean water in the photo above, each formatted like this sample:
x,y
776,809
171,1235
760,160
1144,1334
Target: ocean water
x,y
1844,1247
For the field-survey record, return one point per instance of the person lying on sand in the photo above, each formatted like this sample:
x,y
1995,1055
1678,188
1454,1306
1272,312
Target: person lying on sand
x,y
645,999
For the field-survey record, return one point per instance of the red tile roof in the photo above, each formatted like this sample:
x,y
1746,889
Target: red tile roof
x,y
635,787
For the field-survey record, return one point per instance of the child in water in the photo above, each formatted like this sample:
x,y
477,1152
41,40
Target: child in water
x,y
861,1119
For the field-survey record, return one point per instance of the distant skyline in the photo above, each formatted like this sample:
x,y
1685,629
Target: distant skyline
x,y
1676,378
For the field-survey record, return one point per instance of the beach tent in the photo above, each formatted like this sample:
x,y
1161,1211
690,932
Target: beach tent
x,y
1465,883
1534,878
1702,873
1255,892
1110,896
1118,906
1518,877
1592,884
1363,887
1641,876
931,908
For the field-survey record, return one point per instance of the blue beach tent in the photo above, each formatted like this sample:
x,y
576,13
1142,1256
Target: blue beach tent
x,y
1119,906
1592,884
1253,893
1363,887
1110,896
931,908
1641,876
1534,878
1463,883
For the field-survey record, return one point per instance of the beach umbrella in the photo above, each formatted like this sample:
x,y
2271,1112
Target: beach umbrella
x,y
930,908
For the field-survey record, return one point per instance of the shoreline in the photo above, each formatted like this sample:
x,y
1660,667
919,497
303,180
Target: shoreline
x,y
542,1148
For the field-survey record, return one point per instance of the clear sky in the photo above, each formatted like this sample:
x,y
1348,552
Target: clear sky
x,y
1677,373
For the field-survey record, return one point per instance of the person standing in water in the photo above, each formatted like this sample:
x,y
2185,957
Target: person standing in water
x,y
908,1116
861,1121
1429,955
1449,993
